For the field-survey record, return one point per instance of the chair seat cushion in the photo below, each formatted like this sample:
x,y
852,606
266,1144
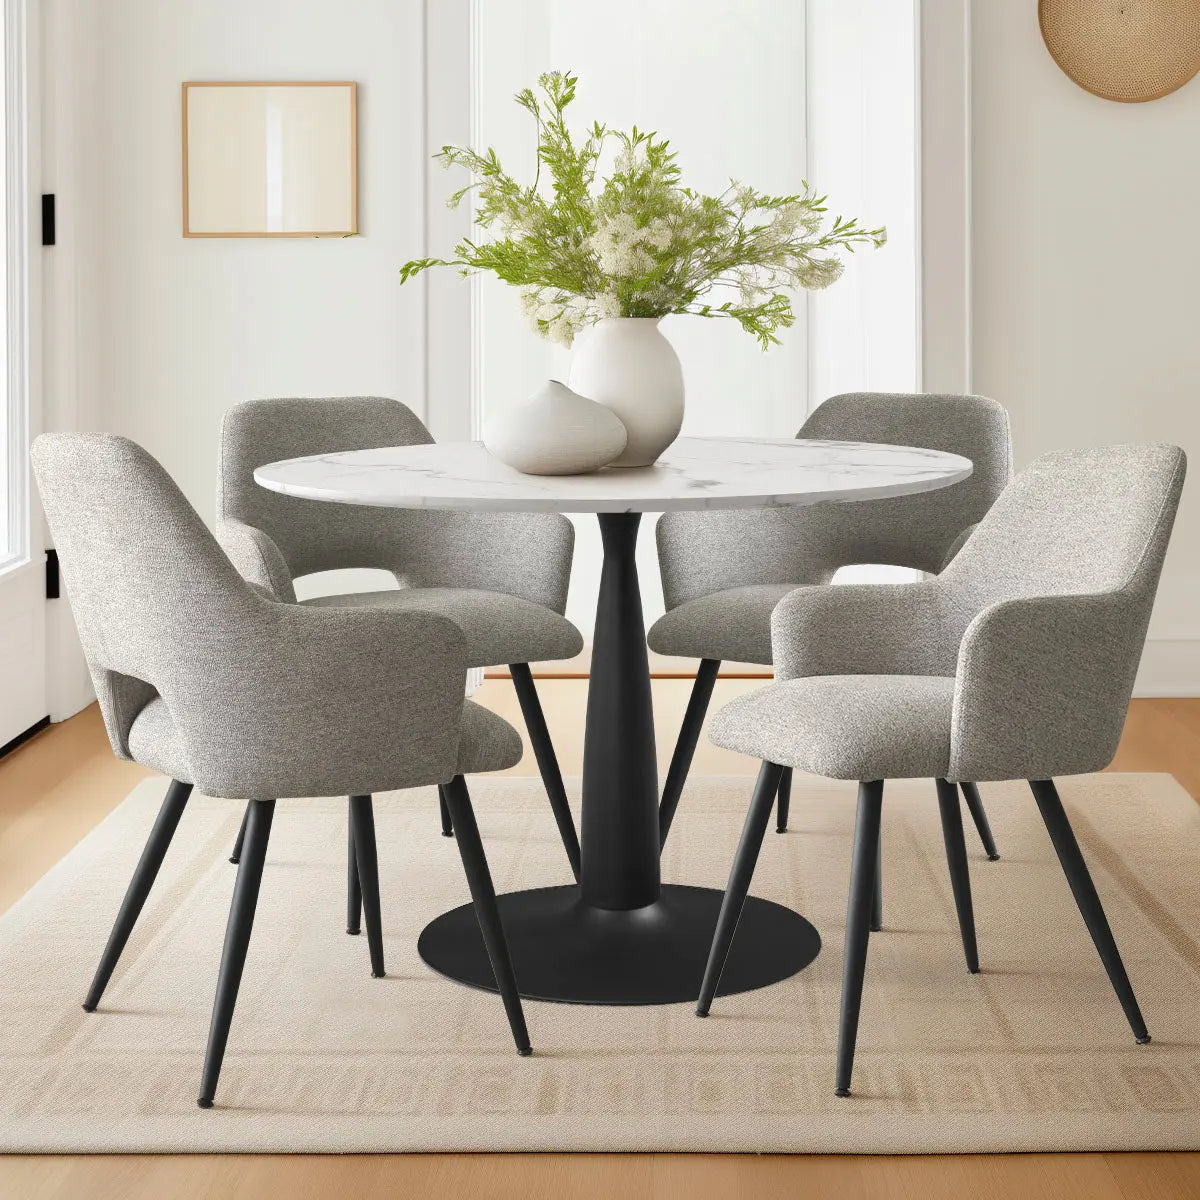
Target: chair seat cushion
x,y
734,624
499,628
861,727
487,743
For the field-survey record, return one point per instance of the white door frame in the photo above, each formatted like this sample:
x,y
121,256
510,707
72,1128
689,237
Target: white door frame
x,y
23,700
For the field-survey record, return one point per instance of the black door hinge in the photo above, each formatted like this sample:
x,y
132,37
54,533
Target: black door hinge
x,y
49,232
53,586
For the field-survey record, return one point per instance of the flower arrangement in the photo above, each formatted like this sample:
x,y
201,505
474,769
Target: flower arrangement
x,y
638,243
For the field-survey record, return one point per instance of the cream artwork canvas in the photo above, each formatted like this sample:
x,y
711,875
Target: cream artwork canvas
x,y
270,160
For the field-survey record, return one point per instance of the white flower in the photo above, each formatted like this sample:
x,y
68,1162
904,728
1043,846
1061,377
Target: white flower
x,y
608,305
658,234
818,273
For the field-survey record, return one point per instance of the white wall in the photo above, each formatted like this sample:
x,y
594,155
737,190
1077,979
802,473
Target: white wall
x,y
169,332
1086,269
154,336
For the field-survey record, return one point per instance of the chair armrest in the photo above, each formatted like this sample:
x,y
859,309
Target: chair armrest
x,y
1043,686
285,700
257,558
522,554
866,629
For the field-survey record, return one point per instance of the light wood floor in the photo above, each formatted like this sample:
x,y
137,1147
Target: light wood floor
x,y
56,788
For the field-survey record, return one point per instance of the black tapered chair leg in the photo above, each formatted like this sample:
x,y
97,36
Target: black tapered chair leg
x,y
765,791
362,825
237,941
236,856
685,745
960,875
353,889
979,815
487,912
144,875
785,800
864,860
877,890
547,761
447,824
1084,891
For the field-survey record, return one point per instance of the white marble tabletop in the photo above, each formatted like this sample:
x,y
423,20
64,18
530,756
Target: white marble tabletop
x,y
693,473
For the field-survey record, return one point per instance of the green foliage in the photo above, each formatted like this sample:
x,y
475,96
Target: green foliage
x,y
638,243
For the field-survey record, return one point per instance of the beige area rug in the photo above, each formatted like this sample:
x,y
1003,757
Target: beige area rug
x,y
1033,1054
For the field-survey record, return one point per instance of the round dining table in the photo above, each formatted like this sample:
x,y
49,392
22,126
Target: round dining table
x,y
621,935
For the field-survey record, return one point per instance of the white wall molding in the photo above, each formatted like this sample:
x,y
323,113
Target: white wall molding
x,y
451,322
944,138
863,135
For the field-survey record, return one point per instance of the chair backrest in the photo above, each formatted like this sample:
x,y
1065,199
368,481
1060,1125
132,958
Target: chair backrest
x,y
314,536
1078,522
1053,594
146,579
911,531
704,552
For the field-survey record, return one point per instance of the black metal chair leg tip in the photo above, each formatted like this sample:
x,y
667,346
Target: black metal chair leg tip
x,y
781,829
92,1008
353,932
448,833
973,970
1144,1040
993,858
844,1093
524,1051
701,1012
233,860
378,974
204,1102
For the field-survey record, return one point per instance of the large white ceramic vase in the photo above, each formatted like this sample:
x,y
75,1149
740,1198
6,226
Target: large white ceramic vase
x,y
628,365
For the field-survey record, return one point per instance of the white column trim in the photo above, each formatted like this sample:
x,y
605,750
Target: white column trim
x,y
945,202
451,368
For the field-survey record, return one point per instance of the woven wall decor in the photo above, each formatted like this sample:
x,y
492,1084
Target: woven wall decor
x,y
1126,50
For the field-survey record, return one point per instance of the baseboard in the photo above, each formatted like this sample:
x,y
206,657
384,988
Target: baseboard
x,y
22,738
1170,667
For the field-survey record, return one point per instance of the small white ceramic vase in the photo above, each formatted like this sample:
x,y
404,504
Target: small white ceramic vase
x,y
556,432
628,365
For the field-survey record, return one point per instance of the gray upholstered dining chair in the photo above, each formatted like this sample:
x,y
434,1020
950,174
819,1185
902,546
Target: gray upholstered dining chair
x,y
501,577
724,572
212,681
1017,662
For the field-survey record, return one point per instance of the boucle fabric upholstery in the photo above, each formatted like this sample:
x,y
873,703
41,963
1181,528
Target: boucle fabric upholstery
x,y
527,555
709,559
260,699
499,628
733,624
1039,622
845,726
487,742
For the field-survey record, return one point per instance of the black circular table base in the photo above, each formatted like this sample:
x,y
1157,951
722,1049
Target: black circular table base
x,y
567,952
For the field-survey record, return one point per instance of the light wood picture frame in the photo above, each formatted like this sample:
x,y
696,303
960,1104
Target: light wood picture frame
x,y
270,160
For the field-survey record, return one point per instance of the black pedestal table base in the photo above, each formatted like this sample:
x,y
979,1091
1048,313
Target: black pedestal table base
x,y
620,936
565,950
